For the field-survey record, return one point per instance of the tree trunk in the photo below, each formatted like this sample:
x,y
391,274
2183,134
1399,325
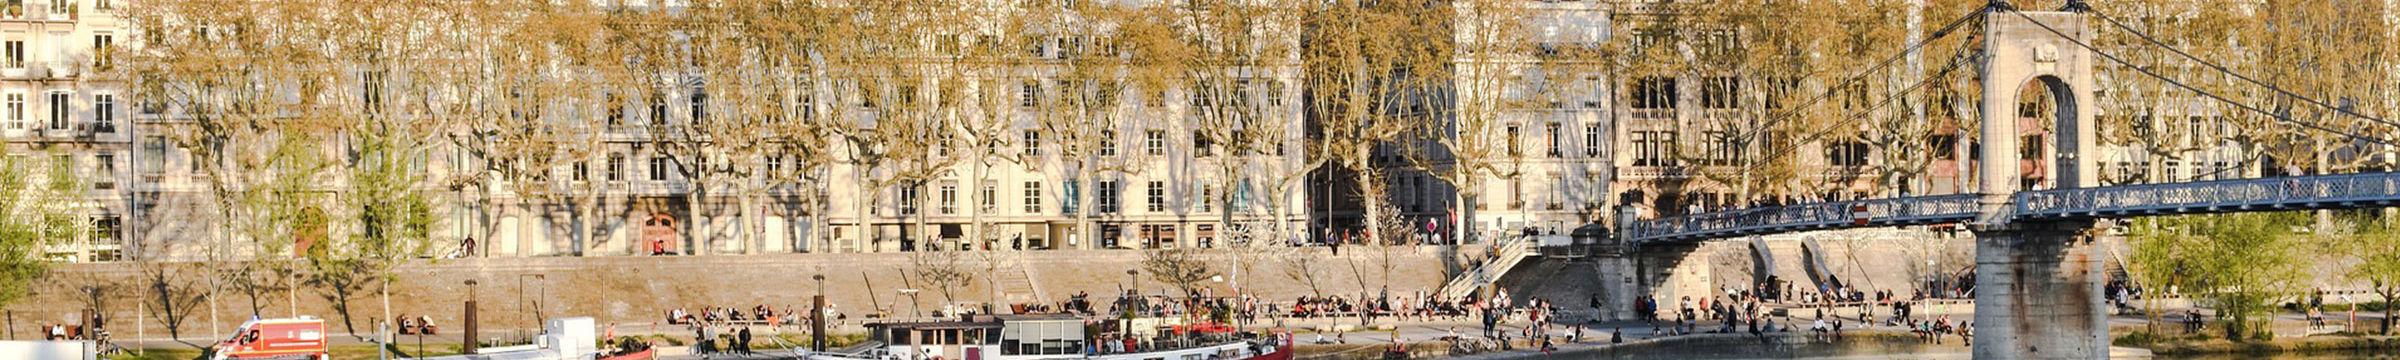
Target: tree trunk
x,y
1083,207
2387,310
864,202
924,238
1467,214
384,291
1370,197
694,203
753,239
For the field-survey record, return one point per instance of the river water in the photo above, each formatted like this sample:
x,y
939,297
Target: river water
x,y
1872,351
2313,355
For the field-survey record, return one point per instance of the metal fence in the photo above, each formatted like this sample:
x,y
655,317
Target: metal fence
x,y
2220,196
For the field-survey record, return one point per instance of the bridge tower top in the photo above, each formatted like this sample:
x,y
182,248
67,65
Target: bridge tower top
x,y
2034,48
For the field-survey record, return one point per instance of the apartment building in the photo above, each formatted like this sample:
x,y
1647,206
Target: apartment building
x,y
1151,177
60,111
1582,139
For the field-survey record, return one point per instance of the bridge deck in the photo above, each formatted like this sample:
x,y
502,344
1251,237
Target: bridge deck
x,y
2201,197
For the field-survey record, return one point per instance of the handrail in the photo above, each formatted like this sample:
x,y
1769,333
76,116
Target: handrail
x,y
2211,196
1839,214
1510,251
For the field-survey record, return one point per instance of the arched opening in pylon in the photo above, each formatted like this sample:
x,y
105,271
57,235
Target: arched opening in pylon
x,y
2045,134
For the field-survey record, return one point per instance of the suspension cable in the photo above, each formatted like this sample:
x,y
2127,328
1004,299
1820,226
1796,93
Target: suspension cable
x,y
1852,117
1831,89
2229,71
2205,93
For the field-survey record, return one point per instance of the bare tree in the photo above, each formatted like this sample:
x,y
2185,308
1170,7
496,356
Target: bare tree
x,y
1369,70
1182,267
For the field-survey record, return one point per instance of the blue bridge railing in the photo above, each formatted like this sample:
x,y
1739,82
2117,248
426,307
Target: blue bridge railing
x,y
2219,196
1804,217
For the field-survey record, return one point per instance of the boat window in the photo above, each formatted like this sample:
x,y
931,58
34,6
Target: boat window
x,y
901,337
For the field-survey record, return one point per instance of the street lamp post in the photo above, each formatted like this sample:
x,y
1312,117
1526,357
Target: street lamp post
x,y
1134,283
469,346
816,315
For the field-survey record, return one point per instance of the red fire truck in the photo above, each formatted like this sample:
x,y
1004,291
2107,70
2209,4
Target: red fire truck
x,y
295,338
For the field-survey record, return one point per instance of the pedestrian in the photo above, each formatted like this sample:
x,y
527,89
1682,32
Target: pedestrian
x,y
742,339
1618,336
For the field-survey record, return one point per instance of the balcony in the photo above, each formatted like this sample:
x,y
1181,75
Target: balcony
x,y
1654,172
1651,114
61,69
24,71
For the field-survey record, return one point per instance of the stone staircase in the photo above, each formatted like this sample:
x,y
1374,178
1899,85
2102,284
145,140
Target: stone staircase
x,y
1765,255
1509,252
1017,285
1813,254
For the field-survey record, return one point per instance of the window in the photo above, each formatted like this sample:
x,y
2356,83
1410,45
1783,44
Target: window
x,y
104,167
1069,197
1202,145
1154,142
101,4
1654,93
1274,92
616,110
154,156
699,106
1720,93
1108,143
1158,196
1846,153
949,194
658,109
1241,197
1203,95
16,54
16,111
100,48
1108,197
1030,93
104,113
1594,138
1557,139
1032,143
1599,96
774,165
1513,133
60,112
908,199
1653,148
1944,147
616,167
1033,197
658,168
991,196
582,171
1207,198
1780,90
1724,148
61,6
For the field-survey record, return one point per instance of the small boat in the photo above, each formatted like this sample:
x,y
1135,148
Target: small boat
x,y
631,350
1061,337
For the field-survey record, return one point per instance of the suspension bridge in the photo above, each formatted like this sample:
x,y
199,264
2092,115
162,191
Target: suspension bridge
x,y
2038,276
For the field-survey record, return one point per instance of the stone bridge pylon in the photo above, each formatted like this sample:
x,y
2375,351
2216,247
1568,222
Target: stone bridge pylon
x,y
2037,283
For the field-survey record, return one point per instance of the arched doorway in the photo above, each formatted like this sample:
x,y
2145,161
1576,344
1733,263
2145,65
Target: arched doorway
x,y
658,235
2046,145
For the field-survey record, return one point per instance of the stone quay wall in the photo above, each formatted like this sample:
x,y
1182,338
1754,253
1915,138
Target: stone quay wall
x,y
640,290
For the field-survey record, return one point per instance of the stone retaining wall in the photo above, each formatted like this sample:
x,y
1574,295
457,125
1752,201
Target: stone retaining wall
x,y
641,289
